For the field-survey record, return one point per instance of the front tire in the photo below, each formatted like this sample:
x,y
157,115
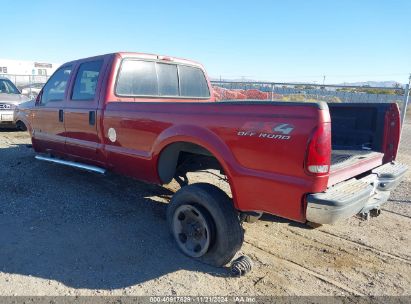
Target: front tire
x,y
205,224
21,126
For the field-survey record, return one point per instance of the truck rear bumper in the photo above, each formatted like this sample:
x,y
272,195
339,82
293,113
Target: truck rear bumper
x,y
354,196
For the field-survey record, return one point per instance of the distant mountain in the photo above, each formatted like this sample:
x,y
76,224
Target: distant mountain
x,y
233,79
387,84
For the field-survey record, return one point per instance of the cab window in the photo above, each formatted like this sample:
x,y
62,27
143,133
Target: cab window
x,y
167,79
137,78
55,88
86,80
156,79
192,82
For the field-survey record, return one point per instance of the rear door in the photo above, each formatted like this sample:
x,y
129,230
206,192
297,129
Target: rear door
x,y
81,111
48,119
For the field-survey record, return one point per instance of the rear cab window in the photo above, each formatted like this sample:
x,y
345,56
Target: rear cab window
x,y
137,78
167,79
192,82
140,78
86,81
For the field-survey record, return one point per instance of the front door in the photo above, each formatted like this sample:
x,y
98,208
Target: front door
x,y
48,115
81,112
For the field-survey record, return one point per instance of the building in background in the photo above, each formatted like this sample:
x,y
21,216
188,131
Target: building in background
x,y
23,72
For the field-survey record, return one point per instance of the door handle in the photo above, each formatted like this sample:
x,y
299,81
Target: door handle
x,y
92,118
61,115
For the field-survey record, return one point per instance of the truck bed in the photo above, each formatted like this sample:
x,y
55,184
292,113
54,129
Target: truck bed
x,y
348,163
360,140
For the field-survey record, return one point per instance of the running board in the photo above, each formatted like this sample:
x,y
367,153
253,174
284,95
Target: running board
x,y
72,164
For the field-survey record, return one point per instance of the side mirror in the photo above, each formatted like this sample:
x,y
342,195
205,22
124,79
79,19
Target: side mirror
x,y
38,98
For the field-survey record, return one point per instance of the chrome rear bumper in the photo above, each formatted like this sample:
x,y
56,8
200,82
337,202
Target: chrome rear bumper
x,y
354,196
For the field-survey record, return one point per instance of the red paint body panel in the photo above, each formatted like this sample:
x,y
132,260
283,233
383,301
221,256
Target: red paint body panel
x,y
83,140
270,178
265,174
49,131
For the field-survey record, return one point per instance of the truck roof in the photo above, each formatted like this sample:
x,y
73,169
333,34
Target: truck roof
x,y
145,56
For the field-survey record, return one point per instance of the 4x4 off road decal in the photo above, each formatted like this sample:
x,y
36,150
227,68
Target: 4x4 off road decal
x,y
269,130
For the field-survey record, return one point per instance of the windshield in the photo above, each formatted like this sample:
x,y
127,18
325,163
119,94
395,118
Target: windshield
x,y
6,86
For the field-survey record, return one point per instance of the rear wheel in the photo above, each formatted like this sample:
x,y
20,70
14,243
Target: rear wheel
x,y
192,229
205,224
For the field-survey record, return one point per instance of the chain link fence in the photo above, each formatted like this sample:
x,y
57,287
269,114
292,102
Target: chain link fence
x,y
306,92
29,85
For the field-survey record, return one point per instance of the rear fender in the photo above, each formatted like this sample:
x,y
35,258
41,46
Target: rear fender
x,y
203,138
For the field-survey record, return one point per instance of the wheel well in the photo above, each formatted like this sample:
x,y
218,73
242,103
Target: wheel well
x,y
20,124
179,158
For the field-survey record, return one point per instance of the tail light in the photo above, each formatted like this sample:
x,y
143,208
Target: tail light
x,y
318,156
392,133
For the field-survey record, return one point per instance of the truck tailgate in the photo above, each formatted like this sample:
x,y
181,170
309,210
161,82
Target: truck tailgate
x,y
346,164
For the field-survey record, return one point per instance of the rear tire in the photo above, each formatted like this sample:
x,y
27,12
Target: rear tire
x,y
205,224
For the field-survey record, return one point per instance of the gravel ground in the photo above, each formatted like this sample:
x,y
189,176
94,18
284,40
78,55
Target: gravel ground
x,y
68,232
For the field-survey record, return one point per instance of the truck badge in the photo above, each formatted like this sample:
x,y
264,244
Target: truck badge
x,y
269,130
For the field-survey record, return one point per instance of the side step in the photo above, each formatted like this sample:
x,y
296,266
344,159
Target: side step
x,y
72,164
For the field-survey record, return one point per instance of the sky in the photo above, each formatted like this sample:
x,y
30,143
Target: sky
x,y
283,41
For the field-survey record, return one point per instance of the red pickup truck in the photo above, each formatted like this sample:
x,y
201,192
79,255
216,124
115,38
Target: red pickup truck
x,y
154,118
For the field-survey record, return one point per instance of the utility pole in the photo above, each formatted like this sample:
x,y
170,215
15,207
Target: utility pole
x,y
405,105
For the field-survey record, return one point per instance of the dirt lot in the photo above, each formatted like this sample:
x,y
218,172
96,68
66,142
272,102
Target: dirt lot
x,y
68,232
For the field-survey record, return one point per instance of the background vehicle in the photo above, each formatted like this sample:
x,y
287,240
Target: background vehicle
x,y
32,90
153,118
10,97
21,114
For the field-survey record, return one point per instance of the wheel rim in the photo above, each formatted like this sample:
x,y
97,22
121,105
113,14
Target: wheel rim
x,y
191,230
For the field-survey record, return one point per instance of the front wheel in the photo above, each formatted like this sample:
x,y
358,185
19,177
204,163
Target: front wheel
x,y
204,224
21,126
